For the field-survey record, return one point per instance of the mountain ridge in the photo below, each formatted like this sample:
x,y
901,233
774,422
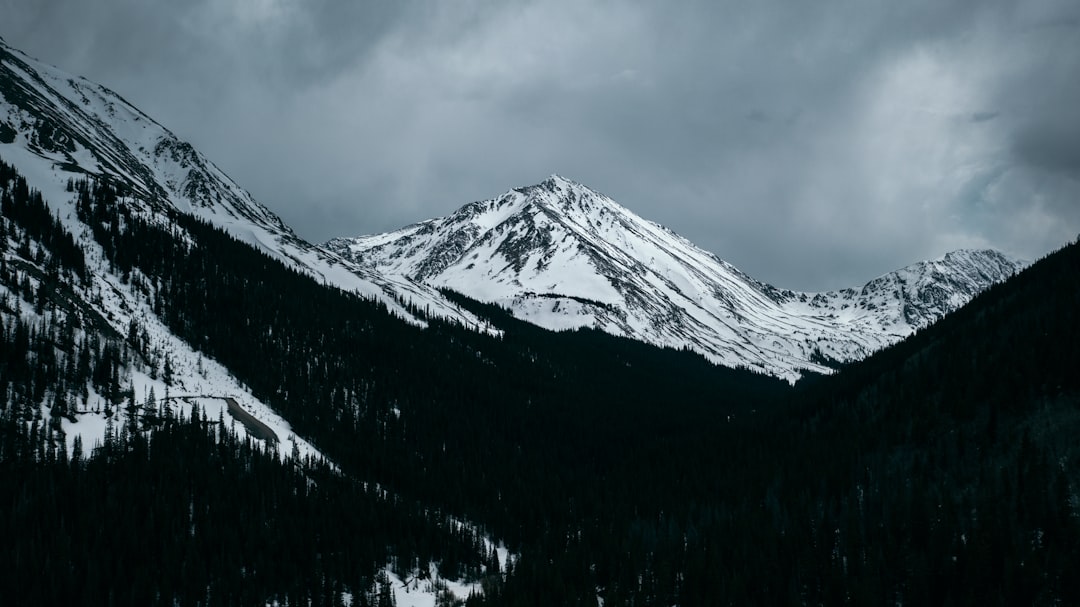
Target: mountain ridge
x,y
55,126
564,256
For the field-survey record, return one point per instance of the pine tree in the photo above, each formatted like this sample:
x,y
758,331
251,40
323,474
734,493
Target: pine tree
x,y
167,373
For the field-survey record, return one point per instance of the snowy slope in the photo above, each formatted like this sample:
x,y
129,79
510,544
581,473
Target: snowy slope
x,y
563,256
54,125
107,306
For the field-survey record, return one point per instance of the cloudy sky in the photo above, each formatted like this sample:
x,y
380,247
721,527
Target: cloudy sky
x,y
812,144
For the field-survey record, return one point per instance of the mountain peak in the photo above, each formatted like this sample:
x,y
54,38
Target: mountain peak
x,y
556,180
972,264
965,255
572,200
564,256
555,184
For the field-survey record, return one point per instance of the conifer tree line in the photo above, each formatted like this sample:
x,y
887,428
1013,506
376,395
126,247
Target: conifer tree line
x,y
940,471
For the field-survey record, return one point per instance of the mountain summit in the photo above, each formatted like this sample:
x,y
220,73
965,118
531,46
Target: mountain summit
x,y
564,256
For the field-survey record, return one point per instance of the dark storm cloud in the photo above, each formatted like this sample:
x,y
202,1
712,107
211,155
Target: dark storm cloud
x,y
814,145
1052,147
289,41
1047,136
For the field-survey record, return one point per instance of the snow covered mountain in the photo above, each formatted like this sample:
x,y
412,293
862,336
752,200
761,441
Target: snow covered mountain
x,y
54,125
54,128
558,253
71,305
564,256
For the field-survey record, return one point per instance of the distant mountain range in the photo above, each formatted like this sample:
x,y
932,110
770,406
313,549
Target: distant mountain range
x,y
558,254
564,256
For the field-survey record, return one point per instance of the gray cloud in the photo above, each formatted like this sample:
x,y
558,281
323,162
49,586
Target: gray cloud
x,y
814,145
1054,147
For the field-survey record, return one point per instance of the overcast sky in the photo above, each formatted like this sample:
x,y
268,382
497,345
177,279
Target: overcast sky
x,y
814,145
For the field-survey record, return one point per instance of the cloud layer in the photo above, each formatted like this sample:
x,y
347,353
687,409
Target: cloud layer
x,y
814,145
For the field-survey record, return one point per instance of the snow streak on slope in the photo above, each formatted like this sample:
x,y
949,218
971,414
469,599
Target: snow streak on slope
x,y
564,256
54,123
